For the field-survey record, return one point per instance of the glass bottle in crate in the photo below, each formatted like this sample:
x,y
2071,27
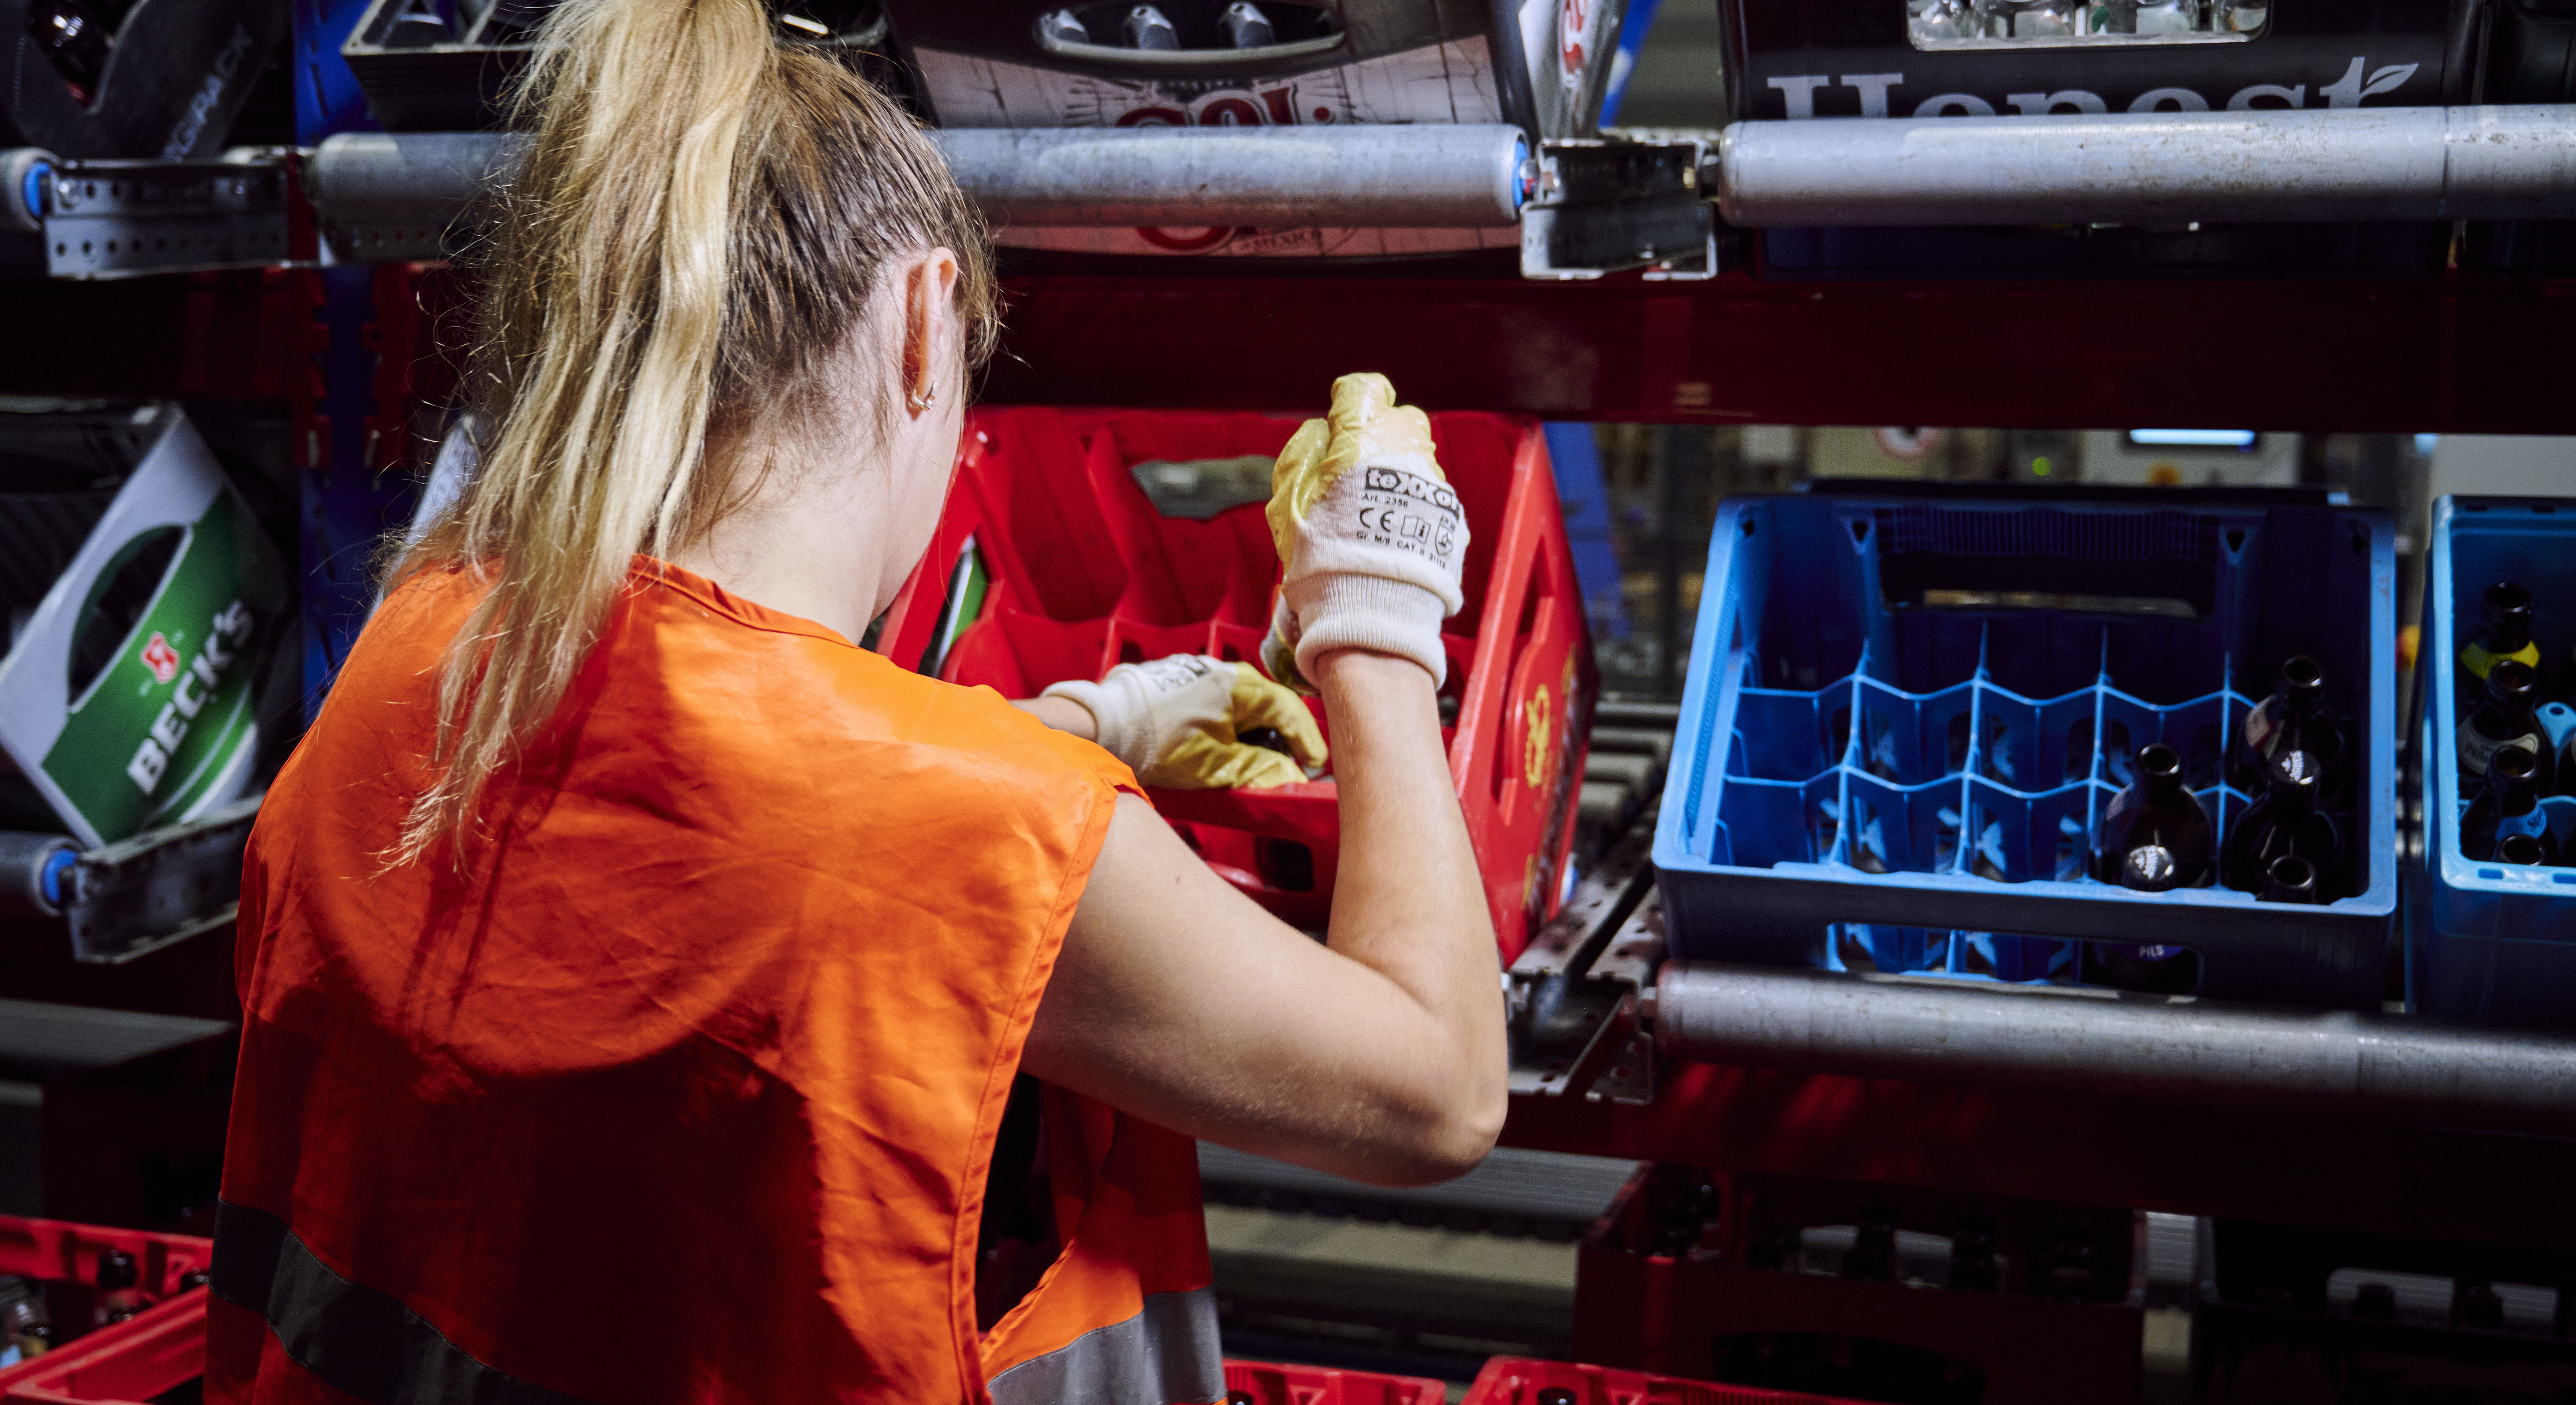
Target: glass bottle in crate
x,y
2025,19
1149,28
120,1295
1972,1255
1934,20
74,39
2504,632
2169,16
2243,16
2155,835
2295,718
25,1330
2284,822
1246,27
2290,879
2509,805
2507,718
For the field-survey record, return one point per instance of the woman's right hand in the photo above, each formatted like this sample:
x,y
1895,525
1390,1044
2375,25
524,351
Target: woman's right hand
x,y
1371,538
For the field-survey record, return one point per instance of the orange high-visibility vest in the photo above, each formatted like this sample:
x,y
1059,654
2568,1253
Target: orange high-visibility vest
x,y
683,1083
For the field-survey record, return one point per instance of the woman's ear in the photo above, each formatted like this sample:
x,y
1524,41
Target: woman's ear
x,y
930,328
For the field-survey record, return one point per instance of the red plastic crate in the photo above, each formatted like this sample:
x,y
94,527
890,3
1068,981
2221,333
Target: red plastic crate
x,y
1085,574
166,1348
127,1364
1266,1383
135,1360
1511,1380
1643,1309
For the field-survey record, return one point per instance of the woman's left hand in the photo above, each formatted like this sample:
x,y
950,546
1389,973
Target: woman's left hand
x,y
1197,722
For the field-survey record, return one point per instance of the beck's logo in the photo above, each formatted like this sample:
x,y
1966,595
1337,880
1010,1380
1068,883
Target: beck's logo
x,y
159,657
227,632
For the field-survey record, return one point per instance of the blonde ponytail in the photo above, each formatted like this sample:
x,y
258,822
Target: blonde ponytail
x,y
697,226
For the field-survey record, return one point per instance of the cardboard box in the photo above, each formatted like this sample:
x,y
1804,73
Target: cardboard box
x,y
126,692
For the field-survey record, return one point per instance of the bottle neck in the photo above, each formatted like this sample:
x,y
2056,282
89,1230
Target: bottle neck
x,y
2512,797
2502,714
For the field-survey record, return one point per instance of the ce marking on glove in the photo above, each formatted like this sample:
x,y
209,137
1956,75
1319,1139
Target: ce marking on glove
x,y
1388,518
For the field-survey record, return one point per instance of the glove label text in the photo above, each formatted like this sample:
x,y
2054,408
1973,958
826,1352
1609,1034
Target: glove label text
x,y
1408,510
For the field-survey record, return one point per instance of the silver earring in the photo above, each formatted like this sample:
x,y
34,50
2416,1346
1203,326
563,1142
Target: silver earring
x,y
923,400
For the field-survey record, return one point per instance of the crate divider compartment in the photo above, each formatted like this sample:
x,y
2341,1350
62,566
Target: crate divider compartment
x,y
1927,780
1875,763
2491,941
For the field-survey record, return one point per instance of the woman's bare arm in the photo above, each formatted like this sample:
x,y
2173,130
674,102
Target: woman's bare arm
x,y
1061,714
1378,1056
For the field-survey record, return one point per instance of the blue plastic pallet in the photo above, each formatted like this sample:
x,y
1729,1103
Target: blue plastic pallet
x,y
1904,719
2491,941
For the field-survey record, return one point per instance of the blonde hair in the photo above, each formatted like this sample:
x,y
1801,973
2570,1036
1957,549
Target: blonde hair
x,y
699,221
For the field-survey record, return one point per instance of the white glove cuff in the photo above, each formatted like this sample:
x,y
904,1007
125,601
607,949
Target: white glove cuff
x,y
1120,729
1374,613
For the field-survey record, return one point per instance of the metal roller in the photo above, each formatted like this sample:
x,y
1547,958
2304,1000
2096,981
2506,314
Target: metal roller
x,y
2272,165
35,873
1421,176
1371,177
394,178
2155,1048
22,174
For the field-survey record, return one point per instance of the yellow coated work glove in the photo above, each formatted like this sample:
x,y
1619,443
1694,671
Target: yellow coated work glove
x,y
1179,722
1371,537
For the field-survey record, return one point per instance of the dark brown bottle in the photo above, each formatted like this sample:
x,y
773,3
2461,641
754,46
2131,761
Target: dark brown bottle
x,y
74,40
2508,806
26,1331
1872,1257
2504,632
2295,718
119,1297
2070,1272
2508,717
2290,879
1267,738
2284,822
1972,1254
2476,1304
2522,850
2155,835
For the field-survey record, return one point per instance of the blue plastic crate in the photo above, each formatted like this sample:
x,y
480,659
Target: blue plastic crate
x,y
1904,720
2492,942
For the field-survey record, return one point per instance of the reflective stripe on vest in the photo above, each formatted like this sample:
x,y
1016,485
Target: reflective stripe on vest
x,y
353,1338
1164,1355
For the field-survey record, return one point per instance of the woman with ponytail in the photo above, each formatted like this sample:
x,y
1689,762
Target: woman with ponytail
x,y
648,995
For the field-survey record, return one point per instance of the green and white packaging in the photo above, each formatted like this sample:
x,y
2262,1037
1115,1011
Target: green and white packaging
x,y
126,696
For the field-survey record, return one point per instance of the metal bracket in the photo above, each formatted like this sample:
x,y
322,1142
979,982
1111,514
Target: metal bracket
x,y
1603,206
1574,998
124,219
385,243
161,886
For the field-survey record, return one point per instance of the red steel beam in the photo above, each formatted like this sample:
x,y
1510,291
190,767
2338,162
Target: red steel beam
x,y
2460,353
2456,353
